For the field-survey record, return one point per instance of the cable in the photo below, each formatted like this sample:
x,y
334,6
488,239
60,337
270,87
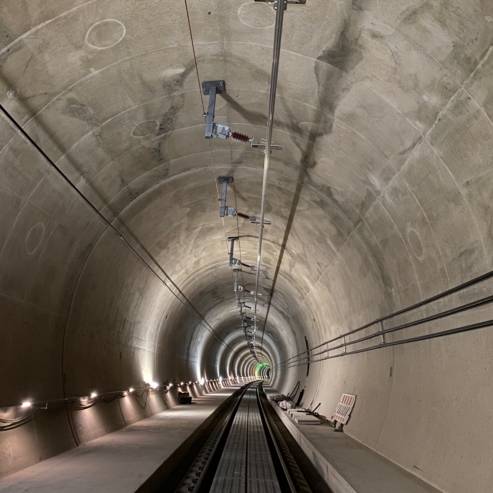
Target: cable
x,y
10,424
295,390
117,232
234,135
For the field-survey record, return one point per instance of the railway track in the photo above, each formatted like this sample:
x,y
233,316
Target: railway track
x,y
246,453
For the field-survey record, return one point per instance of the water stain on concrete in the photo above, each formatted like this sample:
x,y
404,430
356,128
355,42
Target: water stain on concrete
x,y
80,111
155,142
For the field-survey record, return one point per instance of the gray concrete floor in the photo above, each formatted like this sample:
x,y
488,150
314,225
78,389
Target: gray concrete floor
x,y
347,465
121,461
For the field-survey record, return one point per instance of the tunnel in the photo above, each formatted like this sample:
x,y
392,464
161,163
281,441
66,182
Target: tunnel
x,y
374,279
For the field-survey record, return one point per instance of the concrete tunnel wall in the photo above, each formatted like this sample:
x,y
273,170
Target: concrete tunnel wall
x,y
381,197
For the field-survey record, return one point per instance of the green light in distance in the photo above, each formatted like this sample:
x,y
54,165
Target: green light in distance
x,y
260,367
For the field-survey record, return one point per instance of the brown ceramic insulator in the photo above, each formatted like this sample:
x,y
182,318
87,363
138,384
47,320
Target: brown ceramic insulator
x,y
240,137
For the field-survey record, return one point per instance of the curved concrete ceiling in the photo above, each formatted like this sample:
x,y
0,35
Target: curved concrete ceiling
x,y
381,197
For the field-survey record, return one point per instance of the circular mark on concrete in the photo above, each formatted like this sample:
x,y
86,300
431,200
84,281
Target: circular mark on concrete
x,y
145,128
105,34
11,93
257,15
415,242
489,18
425,98
34,238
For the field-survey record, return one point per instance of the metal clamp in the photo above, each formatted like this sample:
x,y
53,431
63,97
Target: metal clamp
x,y
255,220
262,144
274,3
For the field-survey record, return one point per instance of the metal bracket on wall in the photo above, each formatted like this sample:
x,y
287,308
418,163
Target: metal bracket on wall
x,y
211,88
232,240
274,2
224,210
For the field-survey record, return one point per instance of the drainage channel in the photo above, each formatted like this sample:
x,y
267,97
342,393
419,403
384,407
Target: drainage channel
x,y
245,454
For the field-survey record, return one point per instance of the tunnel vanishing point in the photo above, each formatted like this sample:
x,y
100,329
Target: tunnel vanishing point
x,y
376,270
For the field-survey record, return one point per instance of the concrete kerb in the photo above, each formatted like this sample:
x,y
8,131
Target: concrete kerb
x,y
348,466
335,481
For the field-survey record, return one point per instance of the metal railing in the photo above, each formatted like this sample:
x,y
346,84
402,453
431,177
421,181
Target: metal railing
x,y
363,338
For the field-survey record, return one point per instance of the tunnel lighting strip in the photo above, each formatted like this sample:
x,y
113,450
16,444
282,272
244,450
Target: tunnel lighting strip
x,y
203,321
268,143
307,356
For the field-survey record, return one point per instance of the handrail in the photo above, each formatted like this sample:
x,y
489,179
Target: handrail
x,y
309,354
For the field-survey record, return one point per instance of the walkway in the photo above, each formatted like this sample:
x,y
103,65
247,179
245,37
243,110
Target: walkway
x,y
347,465
125,460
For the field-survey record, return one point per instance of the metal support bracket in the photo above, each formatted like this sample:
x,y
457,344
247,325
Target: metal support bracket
x,y
232,240
255,220
383,334
274,2
219,87
211,88
223,209
262,145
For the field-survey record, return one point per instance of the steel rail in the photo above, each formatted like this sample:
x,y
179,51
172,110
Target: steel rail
x,y
204,468
246,461
268,144
274,440
198,474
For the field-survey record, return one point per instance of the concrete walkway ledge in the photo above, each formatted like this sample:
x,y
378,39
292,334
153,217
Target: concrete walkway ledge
x,y
347,465
138,457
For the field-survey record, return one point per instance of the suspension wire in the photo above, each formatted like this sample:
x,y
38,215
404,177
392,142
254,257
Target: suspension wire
x,y
202,320
210,147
